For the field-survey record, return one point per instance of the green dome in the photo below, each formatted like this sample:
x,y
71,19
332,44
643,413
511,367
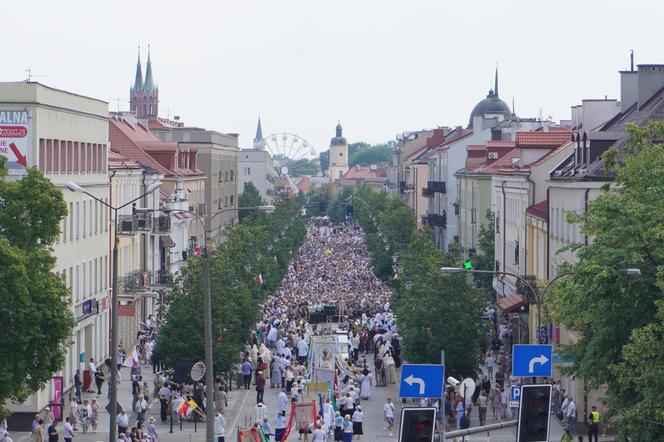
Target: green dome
x,y
492,104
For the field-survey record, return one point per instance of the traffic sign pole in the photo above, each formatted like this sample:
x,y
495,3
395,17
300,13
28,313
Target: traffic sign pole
x,y
441,408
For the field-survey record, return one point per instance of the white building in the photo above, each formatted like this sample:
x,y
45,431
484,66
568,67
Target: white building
x,y
67,139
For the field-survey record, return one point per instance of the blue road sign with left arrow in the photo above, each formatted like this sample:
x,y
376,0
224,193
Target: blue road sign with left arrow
x,y
419,381
532,360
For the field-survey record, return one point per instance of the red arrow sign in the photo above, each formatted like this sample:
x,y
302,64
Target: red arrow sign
x,y
20,159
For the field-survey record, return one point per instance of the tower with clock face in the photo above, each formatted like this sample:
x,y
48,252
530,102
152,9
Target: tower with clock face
x,y
338,155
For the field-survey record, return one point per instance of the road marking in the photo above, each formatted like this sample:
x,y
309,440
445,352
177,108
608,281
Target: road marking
x,y
410,380
239,410
538,360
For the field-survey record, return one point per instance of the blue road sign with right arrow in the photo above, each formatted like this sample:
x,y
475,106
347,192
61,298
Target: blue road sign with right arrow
x,y
418,381
532,360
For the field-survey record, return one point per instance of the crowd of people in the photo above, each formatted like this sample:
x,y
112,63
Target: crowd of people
x,y
332,268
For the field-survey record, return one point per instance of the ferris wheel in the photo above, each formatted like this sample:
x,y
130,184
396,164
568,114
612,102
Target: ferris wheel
x,y
292,154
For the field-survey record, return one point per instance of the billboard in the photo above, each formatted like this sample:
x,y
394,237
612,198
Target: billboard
x,y
14,139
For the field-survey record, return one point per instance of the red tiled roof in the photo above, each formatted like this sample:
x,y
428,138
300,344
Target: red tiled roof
x,y
542,139
135,141
115,160
540,210
304,184
511,302
503,162
364,172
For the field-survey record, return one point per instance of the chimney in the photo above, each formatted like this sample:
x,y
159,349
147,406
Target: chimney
x,y
577,159
650,81
585,154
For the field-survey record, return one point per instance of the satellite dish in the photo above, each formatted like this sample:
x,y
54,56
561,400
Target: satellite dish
x,y
197,371
284,170
467,386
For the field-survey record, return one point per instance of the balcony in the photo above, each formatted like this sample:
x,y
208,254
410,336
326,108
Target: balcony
x,y
437,220
427,193
144,222
127,225
162,277
131,282
161,224
437,187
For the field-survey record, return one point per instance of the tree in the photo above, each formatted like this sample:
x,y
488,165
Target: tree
x,y
435,312
260,249
34,301
603,306
250,197
484,257
365,154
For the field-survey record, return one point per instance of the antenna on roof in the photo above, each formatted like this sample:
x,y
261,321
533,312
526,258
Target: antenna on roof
x,y
631,60
513,107
31,76
118,100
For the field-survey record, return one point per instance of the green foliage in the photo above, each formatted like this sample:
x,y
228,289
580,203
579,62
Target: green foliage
x,y
435,312
336,210
250,197
363,154
642,372
34,306
607,309
263,247
484,258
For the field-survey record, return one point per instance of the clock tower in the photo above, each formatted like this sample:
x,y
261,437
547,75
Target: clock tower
x,y
338,155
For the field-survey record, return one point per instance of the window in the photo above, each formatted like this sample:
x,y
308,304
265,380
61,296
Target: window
x,y
90,222
95,286
232,175
473,216
231,200
226,201
78,220
226,176
106,271
516,252
85,218
247,170
78,283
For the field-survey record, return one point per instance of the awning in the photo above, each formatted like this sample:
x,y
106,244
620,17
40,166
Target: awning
x,y
511,302
166,241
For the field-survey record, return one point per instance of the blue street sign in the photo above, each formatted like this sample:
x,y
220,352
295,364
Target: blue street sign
x,y
515,393
418,381
532,360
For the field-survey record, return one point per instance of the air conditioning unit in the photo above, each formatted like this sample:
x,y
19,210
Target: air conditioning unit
x,y
493,155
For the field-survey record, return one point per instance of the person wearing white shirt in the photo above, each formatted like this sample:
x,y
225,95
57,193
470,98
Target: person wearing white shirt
x,y
93,371
219,427
570,415
260,411
68,432
302,350
288,353
282,402
280,344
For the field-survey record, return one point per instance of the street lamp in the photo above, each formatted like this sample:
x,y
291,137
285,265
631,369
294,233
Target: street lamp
x,y
534,289
113,405
207,306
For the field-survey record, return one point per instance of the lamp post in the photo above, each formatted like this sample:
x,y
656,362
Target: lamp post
x,y
207,306
539,295
113,404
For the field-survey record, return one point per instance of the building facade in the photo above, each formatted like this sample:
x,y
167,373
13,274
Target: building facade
x,y
217,157
338,155
67,139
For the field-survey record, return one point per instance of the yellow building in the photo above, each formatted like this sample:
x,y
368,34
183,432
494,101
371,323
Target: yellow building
x,y
338,155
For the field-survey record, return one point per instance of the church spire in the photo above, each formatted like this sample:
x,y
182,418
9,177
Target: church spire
x,y
259,141
138,81
495,88
149,82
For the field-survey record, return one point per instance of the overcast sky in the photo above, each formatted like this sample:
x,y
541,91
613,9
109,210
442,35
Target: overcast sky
x,y
379,66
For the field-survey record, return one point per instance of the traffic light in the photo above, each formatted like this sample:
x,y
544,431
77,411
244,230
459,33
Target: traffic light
x,y
468,264
534,413
417,424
